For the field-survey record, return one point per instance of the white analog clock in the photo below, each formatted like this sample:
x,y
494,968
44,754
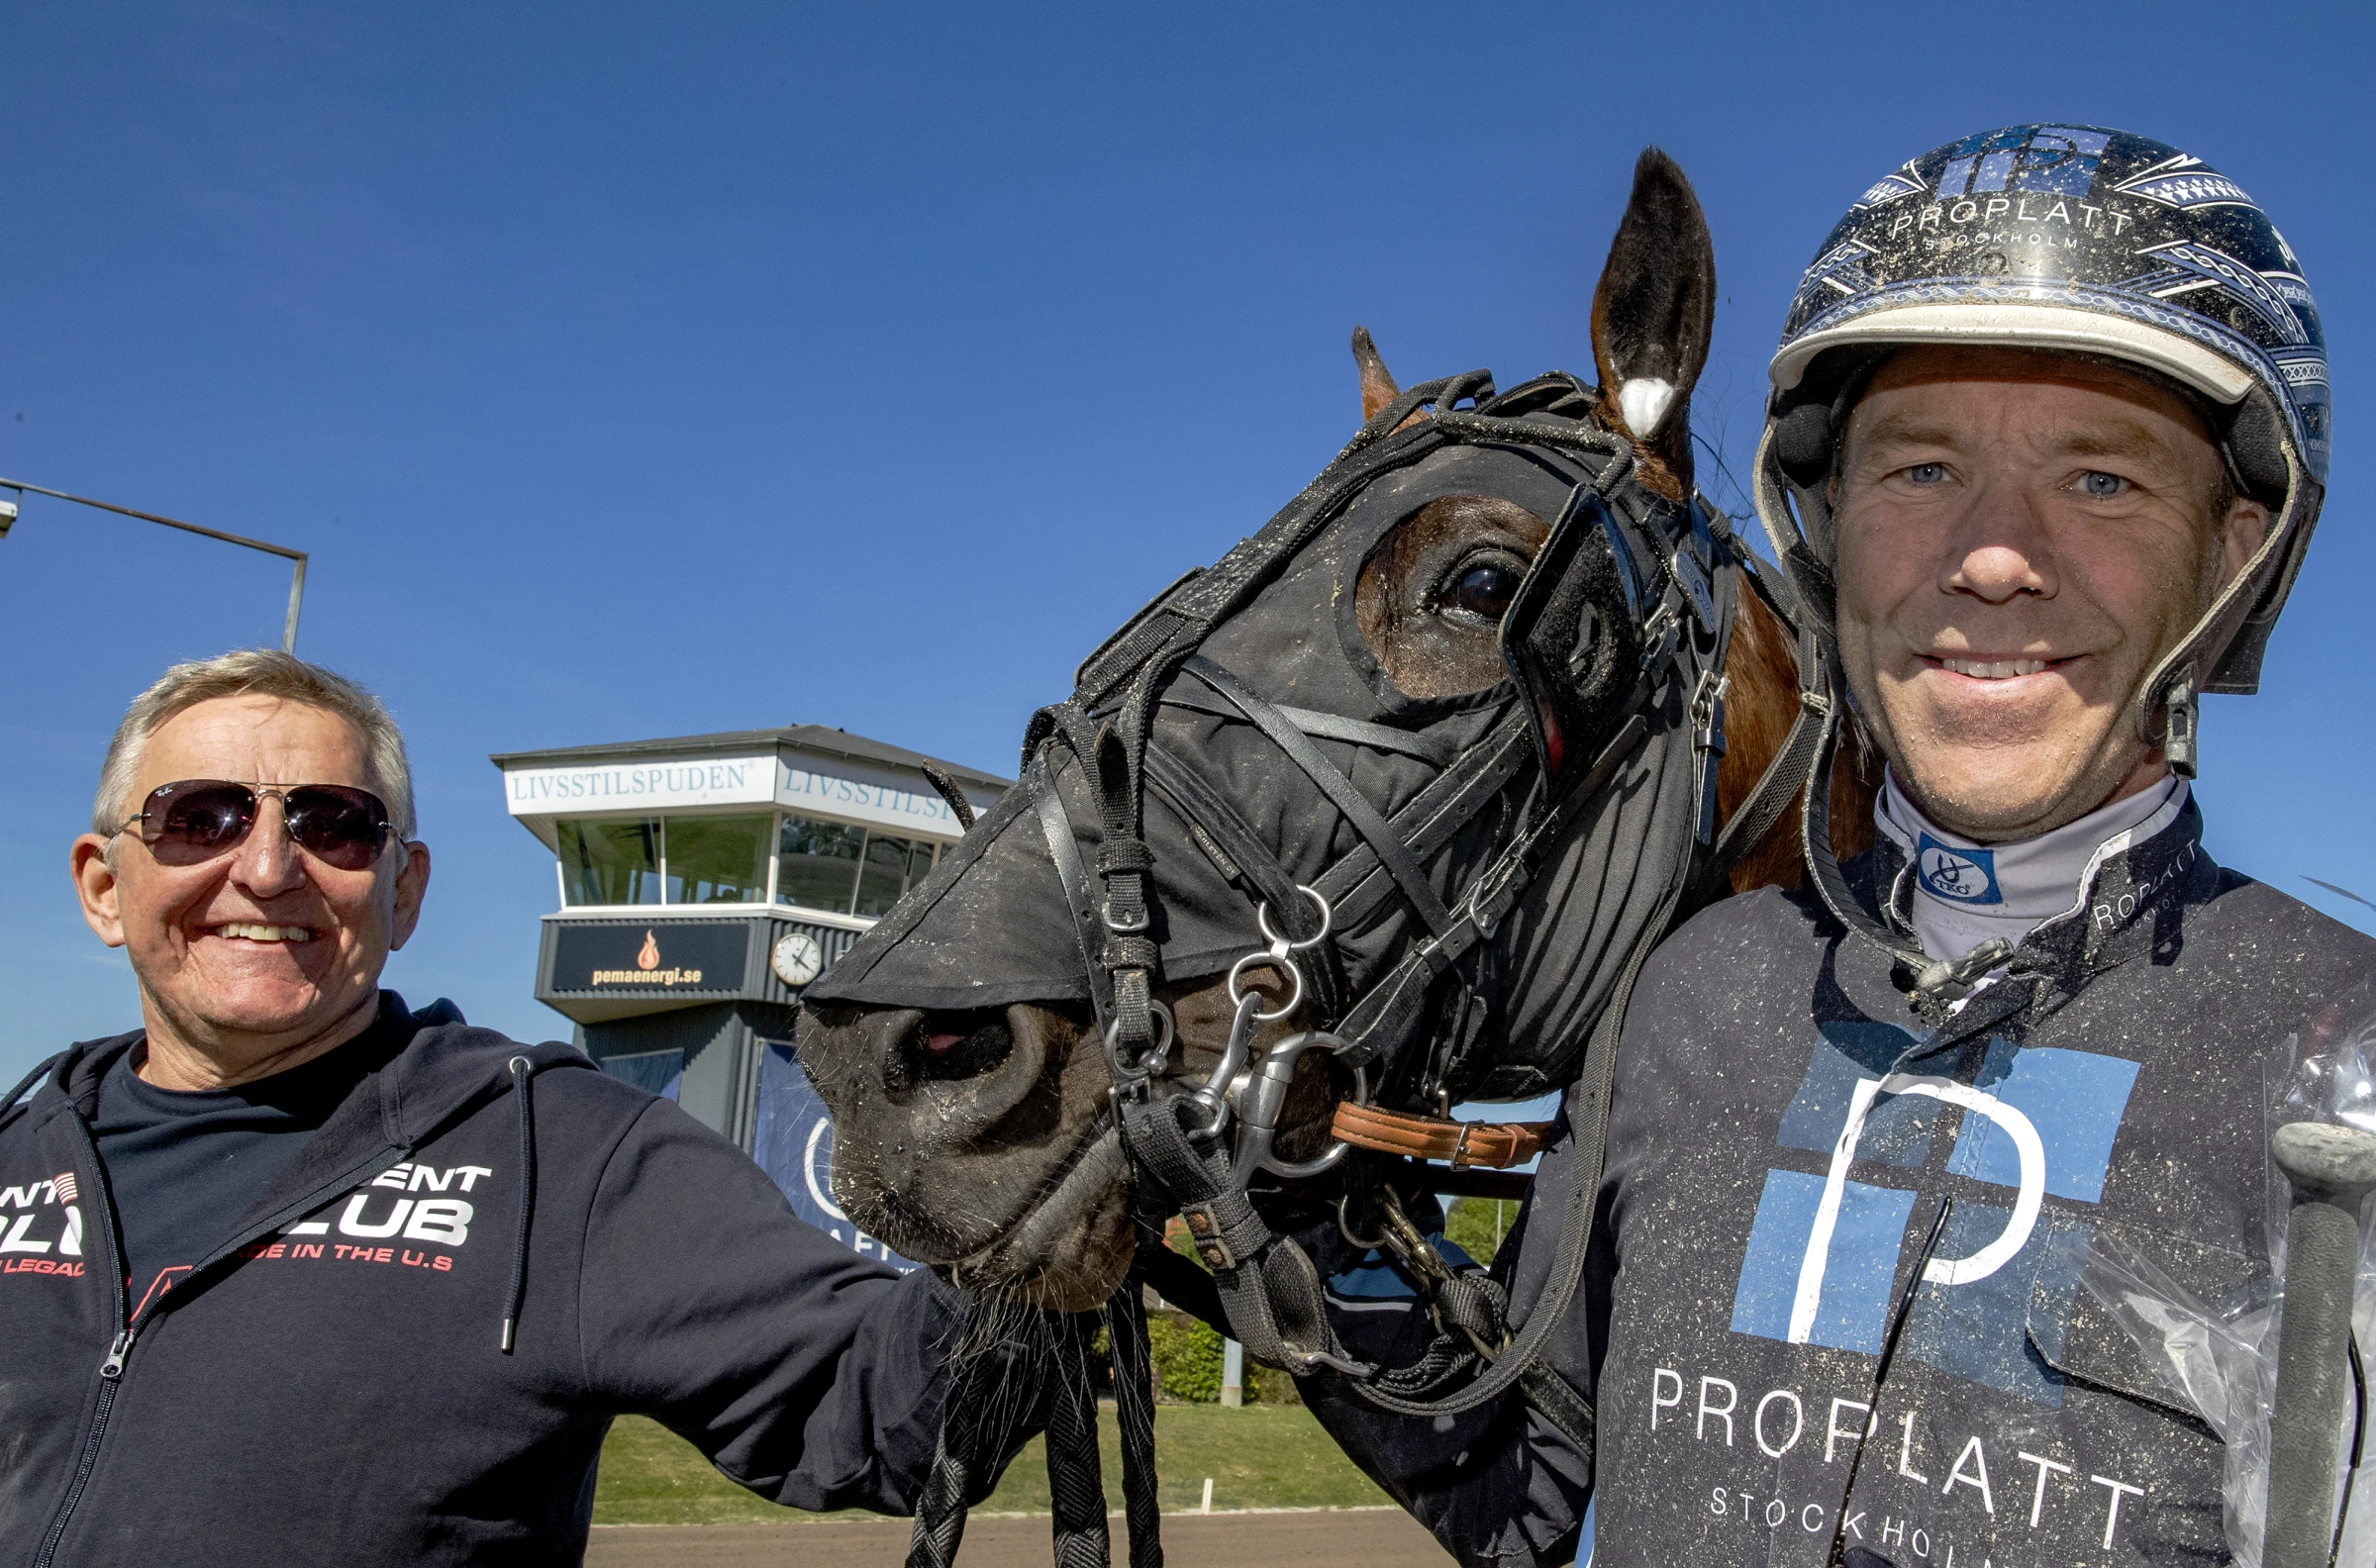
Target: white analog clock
x,y
797,958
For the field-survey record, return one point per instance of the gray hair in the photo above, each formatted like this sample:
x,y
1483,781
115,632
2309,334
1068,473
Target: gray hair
x,y
254,672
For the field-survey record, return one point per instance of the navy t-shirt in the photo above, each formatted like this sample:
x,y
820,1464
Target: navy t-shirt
x,y
185,1168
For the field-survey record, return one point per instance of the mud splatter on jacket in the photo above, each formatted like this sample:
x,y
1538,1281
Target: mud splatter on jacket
x,y
1756,1254
331,1385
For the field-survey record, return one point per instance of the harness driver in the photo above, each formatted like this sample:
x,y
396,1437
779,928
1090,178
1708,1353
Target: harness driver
x,y
2046,443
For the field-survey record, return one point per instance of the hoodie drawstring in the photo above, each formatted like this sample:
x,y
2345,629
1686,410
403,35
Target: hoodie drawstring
x,y
522,1074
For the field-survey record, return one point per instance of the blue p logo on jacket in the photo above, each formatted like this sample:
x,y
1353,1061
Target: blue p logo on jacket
x,y
1825,1249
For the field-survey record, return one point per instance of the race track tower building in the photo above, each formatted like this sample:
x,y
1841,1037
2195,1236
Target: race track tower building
x,y
703,882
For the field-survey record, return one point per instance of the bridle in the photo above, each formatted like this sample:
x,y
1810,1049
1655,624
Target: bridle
x,y
1617,642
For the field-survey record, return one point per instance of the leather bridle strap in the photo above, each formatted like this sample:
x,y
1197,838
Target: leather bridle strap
x,y
1366,820
1499,1144
1079,897
1791,770
1239,853
1429,819
1225,835
1388,1006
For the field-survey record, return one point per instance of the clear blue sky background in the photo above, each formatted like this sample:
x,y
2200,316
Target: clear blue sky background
x,y
636,372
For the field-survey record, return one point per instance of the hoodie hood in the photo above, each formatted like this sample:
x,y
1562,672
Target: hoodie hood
x,y
425,1068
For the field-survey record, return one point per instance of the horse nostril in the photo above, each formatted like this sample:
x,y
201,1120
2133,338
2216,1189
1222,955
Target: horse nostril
x,y
960,1044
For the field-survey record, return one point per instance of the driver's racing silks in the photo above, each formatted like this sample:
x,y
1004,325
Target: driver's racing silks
x,y
1835,1296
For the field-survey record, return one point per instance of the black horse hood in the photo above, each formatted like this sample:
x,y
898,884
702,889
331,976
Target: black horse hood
x,y
1457,778
996,909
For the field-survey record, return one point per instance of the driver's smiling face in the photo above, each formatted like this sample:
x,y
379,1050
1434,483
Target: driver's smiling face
x,y
2022,536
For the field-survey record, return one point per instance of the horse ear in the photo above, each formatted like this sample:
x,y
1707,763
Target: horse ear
x,y
1377,382
1653,311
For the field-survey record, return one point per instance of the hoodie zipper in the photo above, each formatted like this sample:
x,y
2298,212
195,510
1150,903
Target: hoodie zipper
x,y
119,1348
111,1369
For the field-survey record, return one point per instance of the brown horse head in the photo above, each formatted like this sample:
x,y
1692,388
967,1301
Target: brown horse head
x,y
959,1046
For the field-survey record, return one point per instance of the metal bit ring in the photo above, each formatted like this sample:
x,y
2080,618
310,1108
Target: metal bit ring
x,y
1295,997
1328,918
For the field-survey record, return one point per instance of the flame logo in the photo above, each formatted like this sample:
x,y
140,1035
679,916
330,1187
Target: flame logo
x,y
649,956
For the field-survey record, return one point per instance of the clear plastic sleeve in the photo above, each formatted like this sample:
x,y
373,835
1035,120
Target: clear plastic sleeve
x,y
2220,1358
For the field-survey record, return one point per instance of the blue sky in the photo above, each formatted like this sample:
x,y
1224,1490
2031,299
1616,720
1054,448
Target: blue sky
x,y
645,371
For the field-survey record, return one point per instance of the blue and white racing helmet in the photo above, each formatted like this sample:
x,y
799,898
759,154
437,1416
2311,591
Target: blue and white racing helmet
x,y
2091,242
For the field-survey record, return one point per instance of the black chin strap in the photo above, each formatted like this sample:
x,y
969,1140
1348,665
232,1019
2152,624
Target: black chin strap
x,y
1938,983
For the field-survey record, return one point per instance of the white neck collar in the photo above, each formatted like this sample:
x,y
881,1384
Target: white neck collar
x,y
1965,892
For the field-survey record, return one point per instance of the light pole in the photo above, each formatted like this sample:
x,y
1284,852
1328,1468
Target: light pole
x,y
288,636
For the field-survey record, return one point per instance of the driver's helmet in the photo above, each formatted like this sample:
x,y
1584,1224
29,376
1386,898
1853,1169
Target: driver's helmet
x,y
2088,241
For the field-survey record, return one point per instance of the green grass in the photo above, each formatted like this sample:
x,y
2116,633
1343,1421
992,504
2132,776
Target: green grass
x,y
1262,1456
652,1476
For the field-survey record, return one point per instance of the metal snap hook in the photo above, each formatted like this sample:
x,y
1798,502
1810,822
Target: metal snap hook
x,y
1233,1050
1338,1149
1344,1228
1261,1095
1215,1095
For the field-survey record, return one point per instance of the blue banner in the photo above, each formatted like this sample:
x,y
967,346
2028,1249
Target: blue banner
x,y
660,1072
793,1141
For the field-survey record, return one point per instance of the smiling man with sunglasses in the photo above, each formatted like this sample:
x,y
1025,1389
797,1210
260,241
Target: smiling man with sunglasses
x,y
257,950
293,1273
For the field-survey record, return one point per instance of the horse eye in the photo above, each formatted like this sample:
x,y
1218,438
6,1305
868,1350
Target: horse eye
x,y
1483,591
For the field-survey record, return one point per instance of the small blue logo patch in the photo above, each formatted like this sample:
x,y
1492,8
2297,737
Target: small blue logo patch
x,y
1964,876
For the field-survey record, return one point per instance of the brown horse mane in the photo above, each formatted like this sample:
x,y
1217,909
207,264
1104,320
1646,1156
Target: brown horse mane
x,y
1760,705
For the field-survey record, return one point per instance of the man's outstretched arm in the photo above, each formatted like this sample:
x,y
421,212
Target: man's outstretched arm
x,y
807,1373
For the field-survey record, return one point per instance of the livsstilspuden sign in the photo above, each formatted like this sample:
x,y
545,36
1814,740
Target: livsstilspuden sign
x,y
883,798
877,797
631,786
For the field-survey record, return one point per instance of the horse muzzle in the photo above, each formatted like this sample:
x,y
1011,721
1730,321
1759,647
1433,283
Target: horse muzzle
x,y
973,1141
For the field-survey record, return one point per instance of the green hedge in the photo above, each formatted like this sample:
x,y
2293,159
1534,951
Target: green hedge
x,y
1187,1356
1479,1225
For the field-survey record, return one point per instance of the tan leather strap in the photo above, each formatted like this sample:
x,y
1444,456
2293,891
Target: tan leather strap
x,y
1463,1143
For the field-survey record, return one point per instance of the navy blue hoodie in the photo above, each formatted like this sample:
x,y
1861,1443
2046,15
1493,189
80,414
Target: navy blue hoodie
x,y
331,1385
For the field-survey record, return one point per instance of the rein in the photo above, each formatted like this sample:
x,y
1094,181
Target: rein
x,y
1198,1147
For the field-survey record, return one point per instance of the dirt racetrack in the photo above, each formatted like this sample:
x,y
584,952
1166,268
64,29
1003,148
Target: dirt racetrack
x,y
1335,1538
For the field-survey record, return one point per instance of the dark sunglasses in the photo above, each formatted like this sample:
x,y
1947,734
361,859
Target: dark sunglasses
x,y
195,820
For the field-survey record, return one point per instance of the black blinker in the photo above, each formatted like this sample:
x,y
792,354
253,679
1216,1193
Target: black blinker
x,y
1572,637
